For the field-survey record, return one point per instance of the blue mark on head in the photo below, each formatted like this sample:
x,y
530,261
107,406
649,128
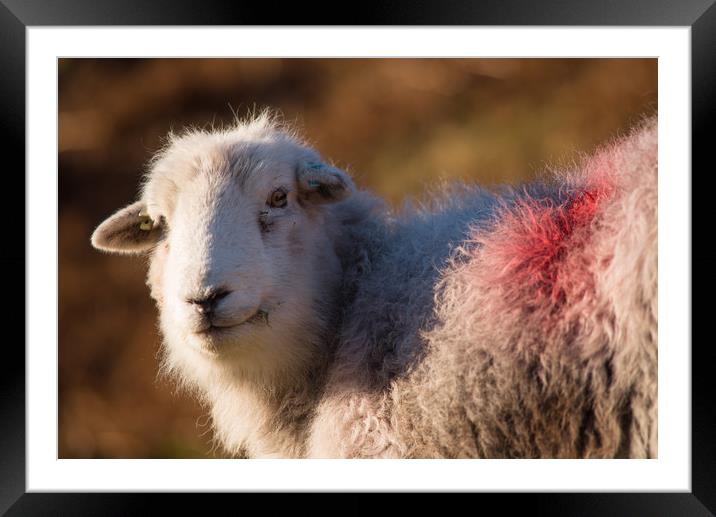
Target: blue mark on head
x,y
313,183
314,165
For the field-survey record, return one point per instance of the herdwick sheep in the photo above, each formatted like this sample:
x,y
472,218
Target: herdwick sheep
x,y
314,321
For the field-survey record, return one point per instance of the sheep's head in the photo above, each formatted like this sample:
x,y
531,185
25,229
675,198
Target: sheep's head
x,y
237,224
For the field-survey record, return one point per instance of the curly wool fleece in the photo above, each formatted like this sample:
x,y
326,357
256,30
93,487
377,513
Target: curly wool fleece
x,y
534,337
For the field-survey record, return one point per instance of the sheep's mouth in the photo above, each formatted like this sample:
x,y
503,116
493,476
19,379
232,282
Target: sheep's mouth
x,y
217,329
258,317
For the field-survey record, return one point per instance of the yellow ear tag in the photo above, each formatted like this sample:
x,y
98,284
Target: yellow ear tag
x,y
147,223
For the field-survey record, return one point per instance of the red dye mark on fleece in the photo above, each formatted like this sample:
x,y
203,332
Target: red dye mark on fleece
x,y
528,251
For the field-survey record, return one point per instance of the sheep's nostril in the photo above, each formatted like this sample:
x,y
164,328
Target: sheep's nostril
x,y
204,307
207,304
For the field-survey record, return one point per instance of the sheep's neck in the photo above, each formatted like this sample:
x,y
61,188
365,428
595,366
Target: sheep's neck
x,y
266,421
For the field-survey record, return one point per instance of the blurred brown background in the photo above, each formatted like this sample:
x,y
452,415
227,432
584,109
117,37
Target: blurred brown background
x,y
396,124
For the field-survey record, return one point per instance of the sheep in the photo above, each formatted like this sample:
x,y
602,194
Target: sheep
x,y
315,321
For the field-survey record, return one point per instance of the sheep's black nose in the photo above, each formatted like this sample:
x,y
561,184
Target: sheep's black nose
x,y
207,304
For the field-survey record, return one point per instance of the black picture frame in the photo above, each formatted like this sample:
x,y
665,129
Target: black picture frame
x,y
17,15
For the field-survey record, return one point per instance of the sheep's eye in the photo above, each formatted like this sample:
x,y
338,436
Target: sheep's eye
x,y
277,199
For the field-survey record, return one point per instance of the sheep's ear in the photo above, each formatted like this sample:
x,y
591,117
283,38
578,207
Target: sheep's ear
x,y
129,230
321,183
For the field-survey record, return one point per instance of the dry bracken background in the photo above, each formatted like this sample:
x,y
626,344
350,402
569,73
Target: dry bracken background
x,y
396,124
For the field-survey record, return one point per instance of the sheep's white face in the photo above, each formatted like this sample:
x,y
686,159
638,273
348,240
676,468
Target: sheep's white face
x,y
241,261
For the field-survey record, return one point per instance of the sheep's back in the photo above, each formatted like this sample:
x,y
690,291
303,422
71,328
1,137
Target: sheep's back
x,y
545,343
523,326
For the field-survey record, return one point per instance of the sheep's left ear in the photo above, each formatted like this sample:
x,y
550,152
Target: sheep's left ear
x,y
321,183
